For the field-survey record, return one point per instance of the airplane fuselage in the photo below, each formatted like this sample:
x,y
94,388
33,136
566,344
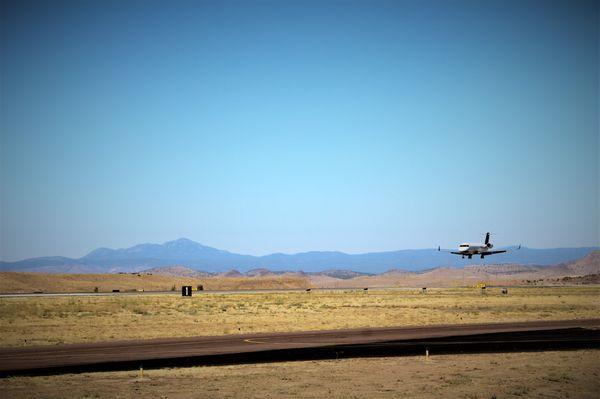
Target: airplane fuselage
x,y
473,249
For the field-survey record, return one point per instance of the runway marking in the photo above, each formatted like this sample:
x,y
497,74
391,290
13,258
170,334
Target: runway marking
x,y
255,341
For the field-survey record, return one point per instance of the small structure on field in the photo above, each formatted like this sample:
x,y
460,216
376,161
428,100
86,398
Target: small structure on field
x,y
186,290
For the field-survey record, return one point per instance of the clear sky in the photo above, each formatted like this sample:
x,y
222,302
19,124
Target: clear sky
x,y
289,126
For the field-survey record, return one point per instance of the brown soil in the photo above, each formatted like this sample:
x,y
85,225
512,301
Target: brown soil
x,y
566,374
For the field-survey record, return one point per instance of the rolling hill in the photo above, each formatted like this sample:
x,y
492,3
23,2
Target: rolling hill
x,y
199,257
582,271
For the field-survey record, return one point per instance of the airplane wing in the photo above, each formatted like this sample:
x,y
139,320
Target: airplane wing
x,y
492,252
458,253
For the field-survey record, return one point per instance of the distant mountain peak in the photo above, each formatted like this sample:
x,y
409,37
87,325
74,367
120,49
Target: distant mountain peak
x,y
99,253
181,241
185,244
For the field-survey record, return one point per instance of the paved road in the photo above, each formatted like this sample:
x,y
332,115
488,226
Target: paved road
x,y
256,291
225,292
178,292
300,345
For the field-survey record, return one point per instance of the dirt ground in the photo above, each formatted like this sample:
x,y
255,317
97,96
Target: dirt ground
x,y
560,374
58,320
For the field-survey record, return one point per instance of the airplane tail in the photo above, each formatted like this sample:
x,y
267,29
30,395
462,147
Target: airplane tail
x,y
487,240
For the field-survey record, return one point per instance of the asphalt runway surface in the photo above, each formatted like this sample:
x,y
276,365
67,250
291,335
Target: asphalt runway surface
x,y
178,292
228,292
270,347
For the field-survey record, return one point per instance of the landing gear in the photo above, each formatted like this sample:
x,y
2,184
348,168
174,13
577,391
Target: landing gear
x,y
463,256
482,256
470,256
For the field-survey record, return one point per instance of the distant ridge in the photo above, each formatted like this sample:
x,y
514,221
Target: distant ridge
x,y
182,271
177,271
196,256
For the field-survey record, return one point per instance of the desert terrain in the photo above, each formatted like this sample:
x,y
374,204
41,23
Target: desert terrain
x,y
14,282
552,374
57,320
582,271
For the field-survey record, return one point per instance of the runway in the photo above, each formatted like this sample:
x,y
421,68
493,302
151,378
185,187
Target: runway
x,y
204,292
364,342
244,291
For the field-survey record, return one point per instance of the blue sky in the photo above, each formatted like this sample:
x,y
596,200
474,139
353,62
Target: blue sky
x,y
289,126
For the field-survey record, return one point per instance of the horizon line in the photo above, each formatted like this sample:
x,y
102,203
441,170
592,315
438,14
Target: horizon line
x,y
283,253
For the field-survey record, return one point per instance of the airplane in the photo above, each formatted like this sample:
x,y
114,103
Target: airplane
x,y
482,250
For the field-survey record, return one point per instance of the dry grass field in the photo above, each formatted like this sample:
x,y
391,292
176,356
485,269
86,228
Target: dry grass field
x,y
58,320
13,282
569,374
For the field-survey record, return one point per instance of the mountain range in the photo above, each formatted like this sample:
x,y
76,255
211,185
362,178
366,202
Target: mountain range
x,y
199,257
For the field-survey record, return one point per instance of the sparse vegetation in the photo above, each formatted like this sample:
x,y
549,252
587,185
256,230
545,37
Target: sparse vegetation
x,y
482,376
31,321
